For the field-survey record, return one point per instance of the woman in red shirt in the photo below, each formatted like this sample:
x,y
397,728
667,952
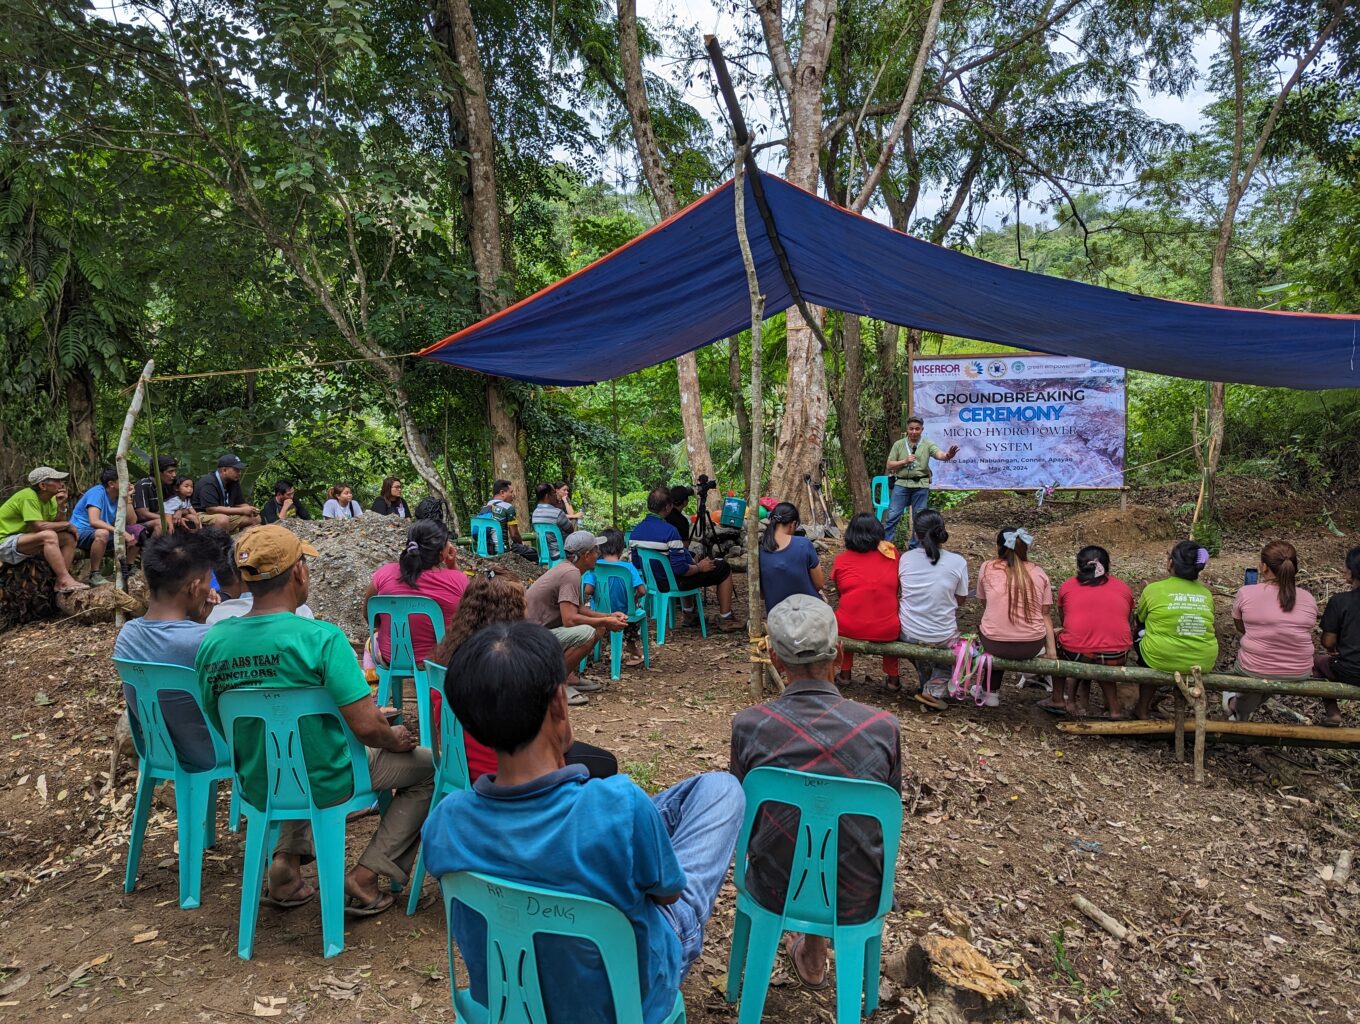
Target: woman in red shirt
x,y
1095,609
865,577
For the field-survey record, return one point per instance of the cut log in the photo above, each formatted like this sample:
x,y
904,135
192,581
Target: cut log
x,y
98,604
960,984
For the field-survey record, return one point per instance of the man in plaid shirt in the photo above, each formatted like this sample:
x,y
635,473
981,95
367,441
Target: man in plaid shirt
x,y
810,727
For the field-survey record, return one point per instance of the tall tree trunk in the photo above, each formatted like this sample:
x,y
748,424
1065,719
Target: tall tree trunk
x,y
852,437
802,431
484,233
80,410
663,191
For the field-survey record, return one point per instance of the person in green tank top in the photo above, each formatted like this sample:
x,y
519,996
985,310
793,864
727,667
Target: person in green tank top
x,y
273,646
1176,621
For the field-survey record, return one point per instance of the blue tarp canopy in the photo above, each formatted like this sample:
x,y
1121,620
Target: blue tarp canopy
x,y
681,286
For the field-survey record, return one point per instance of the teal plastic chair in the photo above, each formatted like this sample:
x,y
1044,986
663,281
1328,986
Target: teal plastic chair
x,y
403,664
288,797
195,790
656,566
882,497
512,985
451,774
810,904
637,613
545,550
488,535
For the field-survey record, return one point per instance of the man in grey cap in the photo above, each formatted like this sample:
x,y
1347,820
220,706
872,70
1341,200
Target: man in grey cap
x,y
33,522
218,498
810,727
554,600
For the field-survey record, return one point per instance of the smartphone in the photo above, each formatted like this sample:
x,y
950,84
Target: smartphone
x,y
1250,576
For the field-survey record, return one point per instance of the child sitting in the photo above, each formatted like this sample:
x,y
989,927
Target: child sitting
x,y
612,551
178,507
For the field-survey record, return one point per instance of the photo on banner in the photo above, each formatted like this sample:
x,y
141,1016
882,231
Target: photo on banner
x,y
1023,420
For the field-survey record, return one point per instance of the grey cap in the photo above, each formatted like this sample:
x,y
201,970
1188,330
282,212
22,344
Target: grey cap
x,y
45,473
581,540
802,630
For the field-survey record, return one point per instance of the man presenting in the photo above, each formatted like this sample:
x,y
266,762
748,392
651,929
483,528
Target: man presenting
x,y
909,466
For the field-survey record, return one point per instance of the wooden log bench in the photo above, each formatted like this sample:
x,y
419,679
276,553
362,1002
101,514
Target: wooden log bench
x,y
1191,694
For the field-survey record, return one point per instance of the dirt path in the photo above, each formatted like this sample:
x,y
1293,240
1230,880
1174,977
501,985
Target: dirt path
x,y
1008,820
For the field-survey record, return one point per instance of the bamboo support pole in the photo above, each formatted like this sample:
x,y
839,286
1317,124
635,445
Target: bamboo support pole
x,y
1201,720
120,461
1245,732
1180,720
1117,673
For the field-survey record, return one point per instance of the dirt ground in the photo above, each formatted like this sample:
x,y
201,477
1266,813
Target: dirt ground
x,y
1224,887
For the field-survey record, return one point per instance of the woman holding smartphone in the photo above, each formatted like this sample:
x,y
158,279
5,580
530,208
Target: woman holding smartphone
x,y
1276,619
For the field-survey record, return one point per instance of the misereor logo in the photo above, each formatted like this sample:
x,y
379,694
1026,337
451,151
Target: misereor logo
x,y
938,368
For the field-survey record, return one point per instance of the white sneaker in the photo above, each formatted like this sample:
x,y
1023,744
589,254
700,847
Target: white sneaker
x,y
991,700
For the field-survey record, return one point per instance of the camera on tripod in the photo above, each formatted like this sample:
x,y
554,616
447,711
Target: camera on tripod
x,y
702,486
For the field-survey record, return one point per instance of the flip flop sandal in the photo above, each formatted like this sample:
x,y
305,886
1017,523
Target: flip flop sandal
x,y
288,904
634,661
934,703
792,953
575,698
383,901
1052,709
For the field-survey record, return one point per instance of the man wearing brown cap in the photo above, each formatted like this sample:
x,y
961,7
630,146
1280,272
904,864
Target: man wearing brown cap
x,y
810,727
33,523
272,646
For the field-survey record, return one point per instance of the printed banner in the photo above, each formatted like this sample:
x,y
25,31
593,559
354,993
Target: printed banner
x,y
1022,420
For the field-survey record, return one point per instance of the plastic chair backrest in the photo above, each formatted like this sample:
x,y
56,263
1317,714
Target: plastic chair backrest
x,y
882,492
154,746
821,800
400,609
656,566
280,713
480,526
450,758
545,556
604,573
514,915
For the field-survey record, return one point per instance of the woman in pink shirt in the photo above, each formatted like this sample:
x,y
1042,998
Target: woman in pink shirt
x,y
1095,609
428,567
1017,598
1276,620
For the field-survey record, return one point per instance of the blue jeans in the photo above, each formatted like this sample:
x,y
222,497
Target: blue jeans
x,y
703,817
902,496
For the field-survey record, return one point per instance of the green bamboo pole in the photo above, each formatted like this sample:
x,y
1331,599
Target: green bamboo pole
x,y
156,461
1117,673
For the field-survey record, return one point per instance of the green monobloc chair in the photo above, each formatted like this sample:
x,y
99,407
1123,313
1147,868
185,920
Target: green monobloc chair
x,y
810,903
515,915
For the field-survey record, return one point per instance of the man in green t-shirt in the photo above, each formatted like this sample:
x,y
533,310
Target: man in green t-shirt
x,y
909,466
272,646
33,524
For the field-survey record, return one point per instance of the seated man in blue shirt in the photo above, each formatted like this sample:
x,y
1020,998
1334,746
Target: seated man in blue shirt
x,y
656,533
660,860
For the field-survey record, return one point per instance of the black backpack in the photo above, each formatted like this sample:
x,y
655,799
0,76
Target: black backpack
x,y
433,508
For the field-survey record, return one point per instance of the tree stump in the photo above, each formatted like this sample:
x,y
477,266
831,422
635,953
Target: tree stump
x,y
26,593
960,984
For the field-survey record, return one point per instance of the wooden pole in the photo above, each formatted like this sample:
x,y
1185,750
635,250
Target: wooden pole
x,y
156,461
1180,720
1247,732
1117,673
1201,720
755,629
120,461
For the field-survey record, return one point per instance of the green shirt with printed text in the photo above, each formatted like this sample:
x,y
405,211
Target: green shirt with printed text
x,y
284,651
1178,616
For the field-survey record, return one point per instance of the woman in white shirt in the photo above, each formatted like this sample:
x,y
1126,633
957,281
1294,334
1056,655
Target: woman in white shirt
x,y
341,504
933,584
